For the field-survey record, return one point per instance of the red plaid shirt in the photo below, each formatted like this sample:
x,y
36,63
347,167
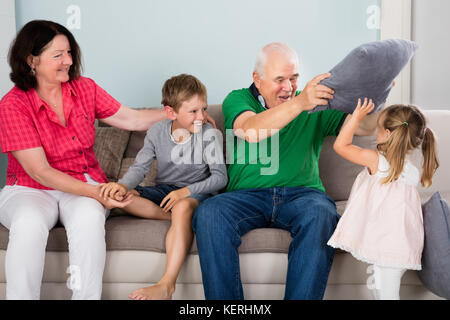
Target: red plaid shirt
x,y
26,121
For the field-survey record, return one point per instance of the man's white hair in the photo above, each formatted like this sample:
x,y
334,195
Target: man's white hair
x,y
263,53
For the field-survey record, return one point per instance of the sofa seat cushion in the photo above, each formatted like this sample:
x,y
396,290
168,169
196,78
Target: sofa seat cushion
x,y
124,232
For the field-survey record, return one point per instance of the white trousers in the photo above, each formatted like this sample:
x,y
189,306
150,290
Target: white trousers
x,y
387,282
29,214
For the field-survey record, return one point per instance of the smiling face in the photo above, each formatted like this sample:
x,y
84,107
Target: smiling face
x,y
190,114
53,64
278,83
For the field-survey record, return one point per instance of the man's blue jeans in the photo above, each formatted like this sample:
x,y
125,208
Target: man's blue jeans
x,y
308,214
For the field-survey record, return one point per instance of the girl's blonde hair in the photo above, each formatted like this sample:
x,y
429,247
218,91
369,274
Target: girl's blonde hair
x,y
408,128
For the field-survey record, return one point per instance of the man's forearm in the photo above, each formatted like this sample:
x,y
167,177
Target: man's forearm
x,y
274,118
260,126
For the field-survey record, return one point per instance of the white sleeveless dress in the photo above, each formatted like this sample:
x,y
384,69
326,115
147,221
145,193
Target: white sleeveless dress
x,y
382,223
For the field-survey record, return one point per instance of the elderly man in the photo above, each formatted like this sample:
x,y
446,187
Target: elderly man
x,y
280,190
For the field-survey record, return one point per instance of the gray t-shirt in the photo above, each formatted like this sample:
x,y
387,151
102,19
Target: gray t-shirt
x,y
197,163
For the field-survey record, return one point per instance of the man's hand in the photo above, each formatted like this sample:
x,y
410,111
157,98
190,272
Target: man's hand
x,y
170,200
113,190
315,94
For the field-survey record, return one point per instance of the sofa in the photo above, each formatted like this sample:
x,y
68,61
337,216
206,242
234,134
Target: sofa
x,y
136,247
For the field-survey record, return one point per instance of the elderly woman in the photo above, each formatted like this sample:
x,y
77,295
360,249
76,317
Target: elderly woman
x,y
47,130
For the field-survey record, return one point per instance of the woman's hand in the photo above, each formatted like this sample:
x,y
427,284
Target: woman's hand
x,y
210,120
113,190
170,200
110,203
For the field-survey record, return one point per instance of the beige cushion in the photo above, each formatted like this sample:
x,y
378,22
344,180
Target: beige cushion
x,y
336,173
135,144
125,232
215,111
110,144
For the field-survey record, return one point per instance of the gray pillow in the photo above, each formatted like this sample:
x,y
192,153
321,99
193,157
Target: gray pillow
x,y
435,273
367,71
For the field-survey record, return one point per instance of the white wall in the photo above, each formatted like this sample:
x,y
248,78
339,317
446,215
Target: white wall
x,y
430,69
396,23
131,47
7,32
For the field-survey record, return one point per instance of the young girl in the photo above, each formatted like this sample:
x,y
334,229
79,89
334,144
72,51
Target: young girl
x,y
382,223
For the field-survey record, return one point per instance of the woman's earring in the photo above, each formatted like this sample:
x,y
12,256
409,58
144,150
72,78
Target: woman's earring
x,y
33,72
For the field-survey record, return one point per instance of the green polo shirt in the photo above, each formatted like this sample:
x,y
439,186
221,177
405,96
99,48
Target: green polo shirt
x,y
290,158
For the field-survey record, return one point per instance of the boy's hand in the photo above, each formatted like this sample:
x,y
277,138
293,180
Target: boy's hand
x,y
113,190
362,110
134,192
169,201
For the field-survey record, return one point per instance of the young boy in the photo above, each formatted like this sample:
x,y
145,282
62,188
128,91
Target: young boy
x,y
190,169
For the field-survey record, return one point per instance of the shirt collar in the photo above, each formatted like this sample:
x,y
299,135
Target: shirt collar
x,y
257,95
67,90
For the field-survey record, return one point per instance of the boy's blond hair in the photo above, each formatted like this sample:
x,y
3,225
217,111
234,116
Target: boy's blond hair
x,y
181,88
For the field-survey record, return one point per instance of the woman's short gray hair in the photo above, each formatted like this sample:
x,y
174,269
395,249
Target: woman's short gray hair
x,y
263,53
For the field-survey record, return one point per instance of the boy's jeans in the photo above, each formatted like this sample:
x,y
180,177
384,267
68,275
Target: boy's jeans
x,y
308,214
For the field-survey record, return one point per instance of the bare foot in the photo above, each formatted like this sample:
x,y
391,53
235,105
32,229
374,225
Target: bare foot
x,y
156,292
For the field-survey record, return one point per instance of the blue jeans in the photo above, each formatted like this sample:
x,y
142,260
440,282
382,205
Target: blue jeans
x,y
308,214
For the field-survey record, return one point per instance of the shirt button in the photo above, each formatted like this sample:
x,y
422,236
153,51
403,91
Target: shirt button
x,y
85,168
81,152
73,138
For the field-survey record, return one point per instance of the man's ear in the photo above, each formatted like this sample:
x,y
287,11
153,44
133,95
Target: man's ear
x,y
256,79
171,114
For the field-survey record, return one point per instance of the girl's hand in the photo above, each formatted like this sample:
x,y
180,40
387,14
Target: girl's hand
x,y
362,110
169,201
